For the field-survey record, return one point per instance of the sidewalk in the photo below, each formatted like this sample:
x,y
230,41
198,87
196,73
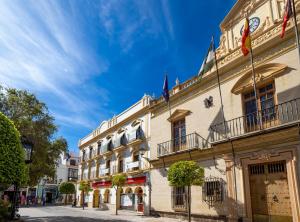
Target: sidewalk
x,y
71,214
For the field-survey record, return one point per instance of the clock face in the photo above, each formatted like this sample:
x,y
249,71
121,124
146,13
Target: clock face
x,y
253,24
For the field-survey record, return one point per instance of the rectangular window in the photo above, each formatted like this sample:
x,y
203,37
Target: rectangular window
x,y
121,166
83,156
179,135
212,190
73,174
135,157
73,162
98,148
91,153
179,198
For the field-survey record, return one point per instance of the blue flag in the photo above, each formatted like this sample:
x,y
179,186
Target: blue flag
x,y
165,92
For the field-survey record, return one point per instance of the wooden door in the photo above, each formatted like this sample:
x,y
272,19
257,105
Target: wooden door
x,y
270,200
96,198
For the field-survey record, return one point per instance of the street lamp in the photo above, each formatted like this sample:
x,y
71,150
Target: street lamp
x,y
28,147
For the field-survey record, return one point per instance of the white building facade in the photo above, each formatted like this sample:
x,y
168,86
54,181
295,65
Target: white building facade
x,y
118,146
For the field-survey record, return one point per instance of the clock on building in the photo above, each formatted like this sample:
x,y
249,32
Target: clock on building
x,y
253,23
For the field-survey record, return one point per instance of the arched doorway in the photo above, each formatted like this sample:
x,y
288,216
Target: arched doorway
x,y
106,198
127,199
140,199
96,198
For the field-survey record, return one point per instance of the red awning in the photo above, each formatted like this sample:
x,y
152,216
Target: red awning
x,y
136,180
133,180
101,184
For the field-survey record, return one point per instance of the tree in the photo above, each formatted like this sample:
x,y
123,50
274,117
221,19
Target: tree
x,y
12,158
85,187
67,188
186,174
32,119
118,181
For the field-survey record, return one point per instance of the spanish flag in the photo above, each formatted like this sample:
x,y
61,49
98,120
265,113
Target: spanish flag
x,y
246,40
287,15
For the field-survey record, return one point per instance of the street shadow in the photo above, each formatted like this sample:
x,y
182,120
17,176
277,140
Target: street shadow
x,y
68,219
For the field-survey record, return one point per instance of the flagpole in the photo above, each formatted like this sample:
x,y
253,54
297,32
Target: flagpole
x,y
296,28
219,85
224,122
254,86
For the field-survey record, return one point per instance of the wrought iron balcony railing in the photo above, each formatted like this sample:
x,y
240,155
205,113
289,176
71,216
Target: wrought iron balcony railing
x,y
275,116
190,141
132,166
104,172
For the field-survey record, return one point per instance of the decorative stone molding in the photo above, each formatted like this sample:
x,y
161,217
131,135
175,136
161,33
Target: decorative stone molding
x,y
178,114
264,154
263,73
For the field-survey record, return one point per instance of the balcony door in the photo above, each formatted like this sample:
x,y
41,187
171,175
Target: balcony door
x,y
266,107
179,135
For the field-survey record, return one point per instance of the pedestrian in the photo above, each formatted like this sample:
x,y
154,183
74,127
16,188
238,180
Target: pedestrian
x,y
43,201
74,203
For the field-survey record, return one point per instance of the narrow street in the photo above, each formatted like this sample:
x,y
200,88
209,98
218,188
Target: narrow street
x,y
68,214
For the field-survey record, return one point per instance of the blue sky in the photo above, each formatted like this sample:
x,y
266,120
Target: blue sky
x,y
89,60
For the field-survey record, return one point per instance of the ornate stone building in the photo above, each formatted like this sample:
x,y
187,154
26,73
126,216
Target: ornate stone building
x,y
118,146
251,160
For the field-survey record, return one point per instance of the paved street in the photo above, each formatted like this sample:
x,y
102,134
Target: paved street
x,y
66,214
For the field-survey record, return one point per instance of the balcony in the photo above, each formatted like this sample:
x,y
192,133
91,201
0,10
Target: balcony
x,y
181,144
135,136
284,114
133,166
107,148
104,172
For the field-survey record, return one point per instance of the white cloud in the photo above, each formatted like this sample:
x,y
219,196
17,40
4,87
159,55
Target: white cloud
x,y
127,22
168,18
43,49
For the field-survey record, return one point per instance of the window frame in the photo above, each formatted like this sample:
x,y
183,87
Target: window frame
x,y
213,193
183,197
180,141
259,94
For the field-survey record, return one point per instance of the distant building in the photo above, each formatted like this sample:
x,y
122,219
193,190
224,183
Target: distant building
x,y
66,170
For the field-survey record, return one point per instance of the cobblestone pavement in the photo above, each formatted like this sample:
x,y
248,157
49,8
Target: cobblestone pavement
x,y
68,214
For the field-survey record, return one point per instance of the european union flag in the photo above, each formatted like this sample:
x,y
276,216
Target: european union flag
x,y
165,92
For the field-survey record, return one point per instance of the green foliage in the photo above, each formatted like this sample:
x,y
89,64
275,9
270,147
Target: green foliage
x,y
12,158
85,186
185,173
32,119
67,188
118,180
4,210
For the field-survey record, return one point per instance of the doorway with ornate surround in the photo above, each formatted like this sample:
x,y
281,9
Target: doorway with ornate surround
x,y
271,186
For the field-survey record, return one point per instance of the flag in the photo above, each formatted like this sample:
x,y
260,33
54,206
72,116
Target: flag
x,y
209,60
165,92
246,40
287,15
